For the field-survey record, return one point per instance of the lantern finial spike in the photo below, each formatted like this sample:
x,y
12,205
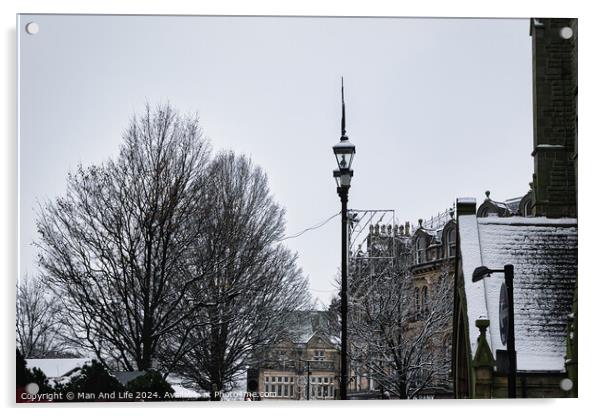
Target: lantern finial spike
x,y
343,109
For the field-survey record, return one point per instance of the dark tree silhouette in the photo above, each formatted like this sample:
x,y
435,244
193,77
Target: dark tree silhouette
x,y
251,280
38,327
116,247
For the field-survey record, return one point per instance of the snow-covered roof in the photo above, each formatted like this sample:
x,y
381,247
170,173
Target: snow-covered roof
x,y
466,200
544,254
513,204
307,324
57,367
181,392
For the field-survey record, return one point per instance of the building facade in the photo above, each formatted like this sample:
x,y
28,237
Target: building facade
x,y
554,51
304,366
543,252
422,258
537,235
433,248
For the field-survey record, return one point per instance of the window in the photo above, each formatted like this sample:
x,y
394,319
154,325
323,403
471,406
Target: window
x,y
420,250
417,300
451,243
425,299
322,388
279,386
319,355
528,210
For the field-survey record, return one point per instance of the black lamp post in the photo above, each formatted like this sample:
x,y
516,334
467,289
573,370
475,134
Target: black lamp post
x,y
344,151
508,270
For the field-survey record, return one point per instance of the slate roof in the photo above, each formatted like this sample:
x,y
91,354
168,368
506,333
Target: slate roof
x,y
544,254
306,324
513,204
434,235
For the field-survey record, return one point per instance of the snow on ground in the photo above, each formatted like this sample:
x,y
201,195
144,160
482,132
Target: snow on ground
x,y
239,390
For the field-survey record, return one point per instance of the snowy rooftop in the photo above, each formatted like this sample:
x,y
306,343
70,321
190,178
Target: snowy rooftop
x,y
544,254
306,324
182,392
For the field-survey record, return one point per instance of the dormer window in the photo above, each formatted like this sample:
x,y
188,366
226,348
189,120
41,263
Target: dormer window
x,y
319,355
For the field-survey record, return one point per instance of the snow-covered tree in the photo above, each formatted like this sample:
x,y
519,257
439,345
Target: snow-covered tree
x,y
251,279
402,348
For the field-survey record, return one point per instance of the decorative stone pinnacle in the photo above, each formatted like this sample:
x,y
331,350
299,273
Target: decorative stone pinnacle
x,y
483,356
482,324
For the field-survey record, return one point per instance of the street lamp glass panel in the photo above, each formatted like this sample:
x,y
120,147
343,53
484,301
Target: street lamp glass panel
x,y
344,160
344,152
343,177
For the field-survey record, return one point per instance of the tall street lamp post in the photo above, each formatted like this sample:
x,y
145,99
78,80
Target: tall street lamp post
x,y
344,151
507,331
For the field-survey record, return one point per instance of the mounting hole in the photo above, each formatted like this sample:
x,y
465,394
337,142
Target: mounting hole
x,y
566,384
566,32
32,388
32,28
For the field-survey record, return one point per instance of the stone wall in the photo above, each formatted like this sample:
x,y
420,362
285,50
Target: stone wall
x,y
555,116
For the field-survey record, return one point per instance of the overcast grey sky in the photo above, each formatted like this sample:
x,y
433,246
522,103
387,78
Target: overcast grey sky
x,y
437,108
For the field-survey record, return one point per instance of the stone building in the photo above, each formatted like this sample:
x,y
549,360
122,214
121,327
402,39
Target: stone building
x,y
543,252
387,251
424,256
308,360
554,51
537,234
433,248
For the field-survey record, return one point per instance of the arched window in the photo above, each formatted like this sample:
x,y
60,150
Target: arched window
x,y
420,250
528,210
451,243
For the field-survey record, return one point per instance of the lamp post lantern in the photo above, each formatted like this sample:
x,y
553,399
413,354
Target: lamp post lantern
x,y
508,270
344,151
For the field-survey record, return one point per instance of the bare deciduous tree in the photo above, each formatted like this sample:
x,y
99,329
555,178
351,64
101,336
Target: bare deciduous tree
x,y
402,348
251,280
115,248
38,324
